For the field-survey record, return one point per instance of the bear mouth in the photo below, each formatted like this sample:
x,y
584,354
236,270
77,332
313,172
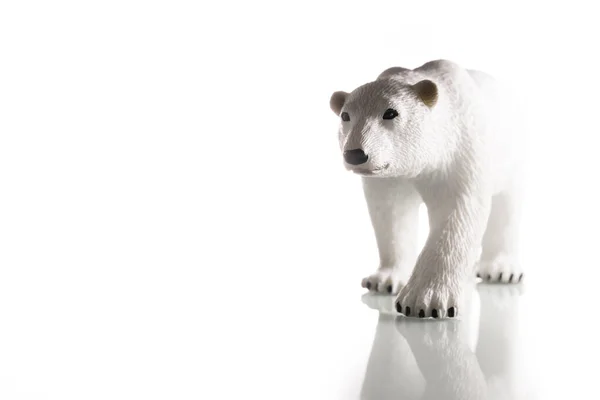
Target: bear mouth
x,y
370,172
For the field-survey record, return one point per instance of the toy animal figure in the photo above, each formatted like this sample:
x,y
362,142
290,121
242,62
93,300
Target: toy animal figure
x,y
448,137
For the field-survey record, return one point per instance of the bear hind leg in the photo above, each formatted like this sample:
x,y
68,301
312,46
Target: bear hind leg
x,y
499,254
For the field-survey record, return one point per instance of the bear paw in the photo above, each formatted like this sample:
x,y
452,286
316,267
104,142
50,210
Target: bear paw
x,y
428,298
386,280
502,269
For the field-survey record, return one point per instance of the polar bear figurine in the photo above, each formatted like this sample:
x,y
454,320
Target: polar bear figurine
x,y
446,136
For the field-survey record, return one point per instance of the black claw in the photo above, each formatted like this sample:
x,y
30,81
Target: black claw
x,y
520,277
369,285
421,314
451,312
389,289
399,308
510,278
434,314
407,313
489,277
500,276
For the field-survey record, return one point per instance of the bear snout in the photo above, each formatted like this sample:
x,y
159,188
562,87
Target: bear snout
x,y
355,157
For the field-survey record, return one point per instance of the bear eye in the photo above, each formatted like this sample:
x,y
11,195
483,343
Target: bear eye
x,y
345,116
390,114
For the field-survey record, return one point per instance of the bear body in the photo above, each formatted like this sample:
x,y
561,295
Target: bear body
x,y
448,137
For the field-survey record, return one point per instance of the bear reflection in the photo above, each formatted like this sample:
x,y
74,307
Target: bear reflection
x,y
471,358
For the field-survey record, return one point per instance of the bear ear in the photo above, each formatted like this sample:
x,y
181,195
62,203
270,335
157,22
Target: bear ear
x,y
427,92
337,101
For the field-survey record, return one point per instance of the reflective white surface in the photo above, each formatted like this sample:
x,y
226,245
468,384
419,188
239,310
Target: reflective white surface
x,y
477,357
176,223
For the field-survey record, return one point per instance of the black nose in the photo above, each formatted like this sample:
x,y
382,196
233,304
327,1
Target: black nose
x,y
355,157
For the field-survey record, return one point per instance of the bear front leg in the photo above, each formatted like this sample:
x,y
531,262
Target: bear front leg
x,y
446,263
393,205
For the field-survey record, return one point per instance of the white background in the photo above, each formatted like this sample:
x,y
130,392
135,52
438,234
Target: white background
x,y
175,221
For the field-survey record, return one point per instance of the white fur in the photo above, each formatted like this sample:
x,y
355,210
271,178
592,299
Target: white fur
x,y
454,153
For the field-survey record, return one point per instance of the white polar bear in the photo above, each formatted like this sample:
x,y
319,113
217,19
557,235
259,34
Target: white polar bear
x,y
442,135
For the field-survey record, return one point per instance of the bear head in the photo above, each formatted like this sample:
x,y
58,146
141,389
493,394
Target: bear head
x,y
387,127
